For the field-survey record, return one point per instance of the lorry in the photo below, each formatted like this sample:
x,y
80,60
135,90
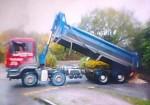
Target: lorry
x,y
23,63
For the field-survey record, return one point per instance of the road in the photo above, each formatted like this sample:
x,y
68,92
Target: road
x,y
12,92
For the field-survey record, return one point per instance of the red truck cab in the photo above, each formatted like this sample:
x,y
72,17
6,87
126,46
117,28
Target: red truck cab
x,y
22,64
20,51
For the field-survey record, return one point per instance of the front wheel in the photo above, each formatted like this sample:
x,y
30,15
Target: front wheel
x,y
58,79
29,79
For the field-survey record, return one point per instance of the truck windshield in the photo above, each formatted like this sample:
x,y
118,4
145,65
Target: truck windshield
x,y
16,47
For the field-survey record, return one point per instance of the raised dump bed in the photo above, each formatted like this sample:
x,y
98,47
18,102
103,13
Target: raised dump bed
x,y
93,46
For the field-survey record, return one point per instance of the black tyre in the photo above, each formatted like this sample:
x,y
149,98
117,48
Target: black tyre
x,y
88,75
29,79
120,78
103,78
58,79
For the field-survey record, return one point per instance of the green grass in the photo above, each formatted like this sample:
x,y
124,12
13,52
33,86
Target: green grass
x,y
137,101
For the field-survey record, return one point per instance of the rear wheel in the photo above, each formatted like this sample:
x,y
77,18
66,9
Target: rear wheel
x,y
103,78
29,79
58,79
120,78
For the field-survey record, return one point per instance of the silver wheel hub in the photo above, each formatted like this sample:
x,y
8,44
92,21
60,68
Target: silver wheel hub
x,y
103,78
120,78
30,79
58,78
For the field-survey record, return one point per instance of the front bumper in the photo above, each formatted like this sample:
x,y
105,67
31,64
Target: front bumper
x,y
13,73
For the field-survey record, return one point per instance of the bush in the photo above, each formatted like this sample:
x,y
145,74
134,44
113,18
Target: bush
x,y
141,43
92,64
2,54
62,53
58,50
1,57
51,60
82,62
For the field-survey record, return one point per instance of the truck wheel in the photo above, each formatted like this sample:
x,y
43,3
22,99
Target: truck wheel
x,y
29,79
87,74
103,78
58,79
120,78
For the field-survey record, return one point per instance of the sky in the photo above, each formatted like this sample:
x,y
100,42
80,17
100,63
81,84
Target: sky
x,y
38,15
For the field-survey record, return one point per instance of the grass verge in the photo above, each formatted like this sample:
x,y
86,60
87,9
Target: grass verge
x,y
132,100
136,101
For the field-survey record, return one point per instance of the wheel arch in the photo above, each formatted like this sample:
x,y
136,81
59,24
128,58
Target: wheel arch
x,y
28,68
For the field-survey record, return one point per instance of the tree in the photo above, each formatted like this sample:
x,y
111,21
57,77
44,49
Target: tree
x,y
115,26
142,44
2,53
51,60
58,50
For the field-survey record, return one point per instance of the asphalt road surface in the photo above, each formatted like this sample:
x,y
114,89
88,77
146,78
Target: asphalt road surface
x,y
12,92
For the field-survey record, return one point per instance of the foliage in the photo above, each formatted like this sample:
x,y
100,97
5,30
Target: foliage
x,y
58,50
2,53
137,101
63,53
115,26
73,55
82,62
142,44
51,60
92,64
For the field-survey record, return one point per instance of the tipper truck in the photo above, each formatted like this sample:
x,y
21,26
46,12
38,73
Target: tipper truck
x,y
23,63
122,62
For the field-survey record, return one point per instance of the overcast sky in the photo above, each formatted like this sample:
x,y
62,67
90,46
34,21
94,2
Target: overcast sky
x,y
38,15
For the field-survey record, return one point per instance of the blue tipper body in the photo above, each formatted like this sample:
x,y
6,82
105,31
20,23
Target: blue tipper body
x,y
91,45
